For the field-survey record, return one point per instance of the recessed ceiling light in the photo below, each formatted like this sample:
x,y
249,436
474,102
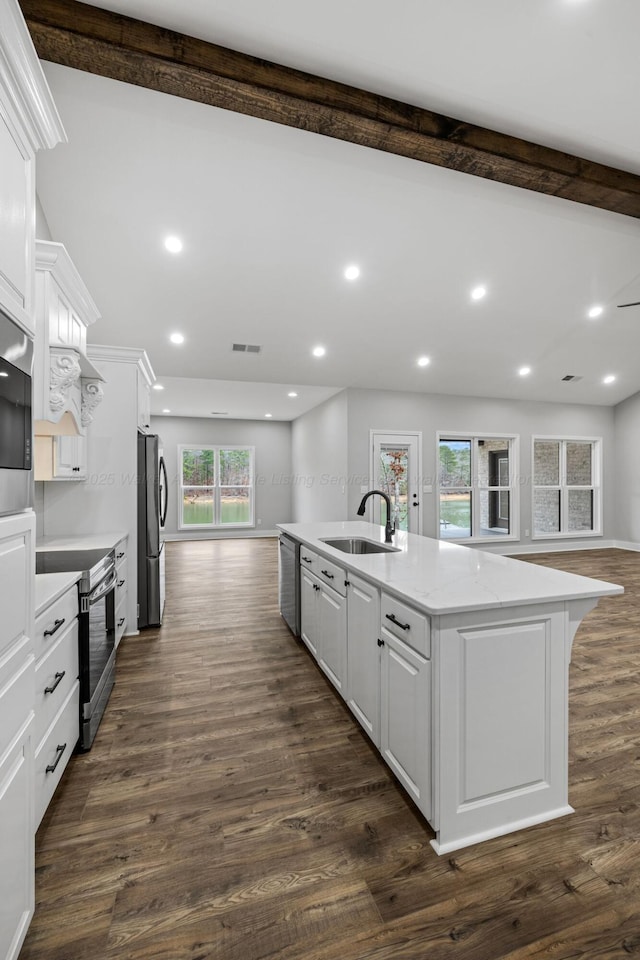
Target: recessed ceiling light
x,y
594,311
352,272
166,411
268,414
158,386
609,379
292,393
524,371
478,293
319,351
173,244
4,373
423,361
176,338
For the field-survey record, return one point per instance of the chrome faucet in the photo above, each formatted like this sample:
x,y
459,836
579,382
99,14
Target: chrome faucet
x,y
389,528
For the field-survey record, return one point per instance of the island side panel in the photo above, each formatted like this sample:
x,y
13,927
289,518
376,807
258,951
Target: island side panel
x,y
501,724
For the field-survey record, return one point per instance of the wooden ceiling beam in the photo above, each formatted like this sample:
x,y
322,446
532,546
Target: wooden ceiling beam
x,y
111,45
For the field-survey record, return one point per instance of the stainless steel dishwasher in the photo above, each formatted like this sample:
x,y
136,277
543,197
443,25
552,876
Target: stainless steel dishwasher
x,y
289,582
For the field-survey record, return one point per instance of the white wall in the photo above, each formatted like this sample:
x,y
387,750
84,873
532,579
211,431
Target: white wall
x,y
272,442
319,457
627,470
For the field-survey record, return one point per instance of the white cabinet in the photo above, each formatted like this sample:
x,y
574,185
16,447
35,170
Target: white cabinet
x,y
66,385
60,458
57,694
144,401
363,654
28,122
122,577
323,615
17,576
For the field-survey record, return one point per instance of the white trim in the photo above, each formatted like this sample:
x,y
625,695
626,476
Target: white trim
x,y
400,435
595,486
553,547
53,258
514,486
217,487
100,351
22,79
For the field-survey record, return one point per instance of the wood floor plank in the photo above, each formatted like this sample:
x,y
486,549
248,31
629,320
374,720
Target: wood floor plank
x,y
232,809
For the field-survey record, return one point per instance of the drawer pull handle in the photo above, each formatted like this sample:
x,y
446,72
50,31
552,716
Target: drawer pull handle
x,y
60,749
403,626
119,556
380,642
56,626
121,621
57,678
307,559
327,574
120,583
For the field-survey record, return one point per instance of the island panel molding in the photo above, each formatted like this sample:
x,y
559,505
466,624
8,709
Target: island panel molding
x,y
108,44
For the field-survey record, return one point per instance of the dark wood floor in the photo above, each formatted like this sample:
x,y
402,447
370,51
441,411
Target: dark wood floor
x,y
231,809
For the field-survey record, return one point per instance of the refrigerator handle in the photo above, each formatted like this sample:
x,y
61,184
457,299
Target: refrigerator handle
x,y
164,489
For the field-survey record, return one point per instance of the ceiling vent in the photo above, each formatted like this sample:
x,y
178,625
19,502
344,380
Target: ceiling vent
x,y
246,348
571,378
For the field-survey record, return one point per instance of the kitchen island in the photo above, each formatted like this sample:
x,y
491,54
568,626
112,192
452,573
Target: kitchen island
x,y
455,662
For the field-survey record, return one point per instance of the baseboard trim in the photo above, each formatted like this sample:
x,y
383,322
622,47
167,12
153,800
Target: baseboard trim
x,y
222,535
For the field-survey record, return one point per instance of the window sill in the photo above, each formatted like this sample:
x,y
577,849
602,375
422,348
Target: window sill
x,y
567,536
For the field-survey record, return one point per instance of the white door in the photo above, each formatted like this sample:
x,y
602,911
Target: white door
x,y
396,460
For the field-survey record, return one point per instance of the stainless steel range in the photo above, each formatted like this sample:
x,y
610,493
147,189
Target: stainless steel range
x,y
97,653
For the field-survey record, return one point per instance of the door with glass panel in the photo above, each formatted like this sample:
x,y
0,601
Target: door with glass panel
x,y
395,469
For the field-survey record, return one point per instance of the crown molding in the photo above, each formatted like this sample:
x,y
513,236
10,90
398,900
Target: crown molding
x,y
53,258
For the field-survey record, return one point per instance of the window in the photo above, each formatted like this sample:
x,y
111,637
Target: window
x,y
216,486
566,487
477,492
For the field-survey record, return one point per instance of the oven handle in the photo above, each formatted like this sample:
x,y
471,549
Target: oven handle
x,y
103,588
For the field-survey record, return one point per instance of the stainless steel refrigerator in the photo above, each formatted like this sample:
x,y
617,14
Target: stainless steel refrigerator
x,y
152,511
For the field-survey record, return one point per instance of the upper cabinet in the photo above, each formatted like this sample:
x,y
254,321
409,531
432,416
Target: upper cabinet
x,y
29,122
67,386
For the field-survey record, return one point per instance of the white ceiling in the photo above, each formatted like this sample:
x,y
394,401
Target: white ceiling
x,y
270,216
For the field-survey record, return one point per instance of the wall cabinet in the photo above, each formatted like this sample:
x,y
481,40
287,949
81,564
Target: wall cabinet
x,y
17,579
67,387
57,699
28,122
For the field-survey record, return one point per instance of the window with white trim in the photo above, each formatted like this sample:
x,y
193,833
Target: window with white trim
x,y
567,494
477,493
217,487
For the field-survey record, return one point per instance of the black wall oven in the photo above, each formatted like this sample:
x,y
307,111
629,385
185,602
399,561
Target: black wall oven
x,y
97,633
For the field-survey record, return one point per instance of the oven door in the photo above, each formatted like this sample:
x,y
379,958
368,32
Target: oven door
x,y
97,655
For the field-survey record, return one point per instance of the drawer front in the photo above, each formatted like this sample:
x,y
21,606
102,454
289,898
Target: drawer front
x,y
56,674
406,623
331,574
55,750
121,582
121,621
308,559
54,621
121,553
16,690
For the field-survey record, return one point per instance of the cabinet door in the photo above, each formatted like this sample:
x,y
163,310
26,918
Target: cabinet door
x,y
16,843
332,618
309,611
70,458
363,654
16,230
406,718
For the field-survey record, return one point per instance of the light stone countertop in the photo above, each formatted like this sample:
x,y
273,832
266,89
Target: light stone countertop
x,y
50,586
443,578
93,541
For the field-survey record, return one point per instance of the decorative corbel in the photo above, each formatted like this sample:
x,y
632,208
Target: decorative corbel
x,y
92,394
64,371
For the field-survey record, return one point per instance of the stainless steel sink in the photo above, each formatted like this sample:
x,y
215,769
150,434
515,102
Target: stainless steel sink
x,y
358,545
